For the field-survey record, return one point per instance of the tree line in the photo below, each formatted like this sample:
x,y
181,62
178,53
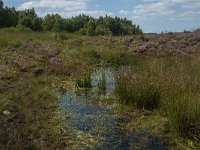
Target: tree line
x,y
86,25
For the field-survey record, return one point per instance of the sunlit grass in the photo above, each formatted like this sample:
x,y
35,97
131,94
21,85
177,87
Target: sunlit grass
x,y
168,85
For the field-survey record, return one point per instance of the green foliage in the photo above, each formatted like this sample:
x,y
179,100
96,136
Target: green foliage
x,y
83,31
180,97
183,111
1,4
85,81
37,24
53,22
10,30
118,59
8,17
170,85
91,27
102,31
28,19
58,36
91,55
3,42
102,82
23,28
86,25
135,91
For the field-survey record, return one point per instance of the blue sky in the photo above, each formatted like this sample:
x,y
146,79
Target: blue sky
x,y
151,15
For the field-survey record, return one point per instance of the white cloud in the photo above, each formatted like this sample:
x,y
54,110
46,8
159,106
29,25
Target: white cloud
x,y
145,10
67,5
66,8
124,12
151,9
69,14
90,13
187,15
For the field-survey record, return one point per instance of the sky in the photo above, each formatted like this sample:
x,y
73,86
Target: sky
x,y
151,15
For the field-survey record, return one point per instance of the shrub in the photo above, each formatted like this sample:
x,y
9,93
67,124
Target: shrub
x,y
83,31
10,30
59,36
23,28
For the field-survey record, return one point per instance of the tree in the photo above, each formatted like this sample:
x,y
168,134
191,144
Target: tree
x,y
102,30
1,4
58,24
8,16
91,27
37,24
53,22
79,22
48,22
85,24
28,19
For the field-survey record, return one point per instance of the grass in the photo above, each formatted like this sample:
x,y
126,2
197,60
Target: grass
x,y
102,82
169,86
85,81
183,114
138,92
32,107
30,73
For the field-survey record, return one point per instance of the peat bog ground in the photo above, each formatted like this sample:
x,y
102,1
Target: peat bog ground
x,y
68,91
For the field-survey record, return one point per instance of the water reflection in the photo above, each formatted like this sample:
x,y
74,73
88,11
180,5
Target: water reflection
x,y
98,119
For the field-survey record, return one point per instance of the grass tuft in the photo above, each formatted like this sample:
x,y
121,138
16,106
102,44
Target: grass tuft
x,y
170,85
85,81
132,90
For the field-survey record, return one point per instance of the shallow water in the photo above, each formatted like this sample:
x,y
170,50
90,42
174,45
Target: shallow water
x,y
92,114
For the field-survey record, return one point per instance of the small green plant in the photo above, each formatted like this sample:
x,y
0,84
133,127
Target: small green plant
x,y
102,83
91,55
84,82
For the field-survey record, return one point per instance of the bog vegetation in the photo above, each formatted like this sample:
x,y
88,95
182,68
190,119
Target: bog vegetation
x,y
157,85
161,85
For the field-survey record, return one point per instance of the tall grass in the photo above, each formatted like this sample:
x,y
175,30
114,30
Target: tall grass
x,y
102,83
91,55
3,42
171,85
135,91
183,112
85,81
180,98
13,35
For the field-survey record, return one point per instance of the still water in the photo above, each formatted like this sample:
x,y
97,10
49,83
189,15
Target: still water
x,y
93,114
